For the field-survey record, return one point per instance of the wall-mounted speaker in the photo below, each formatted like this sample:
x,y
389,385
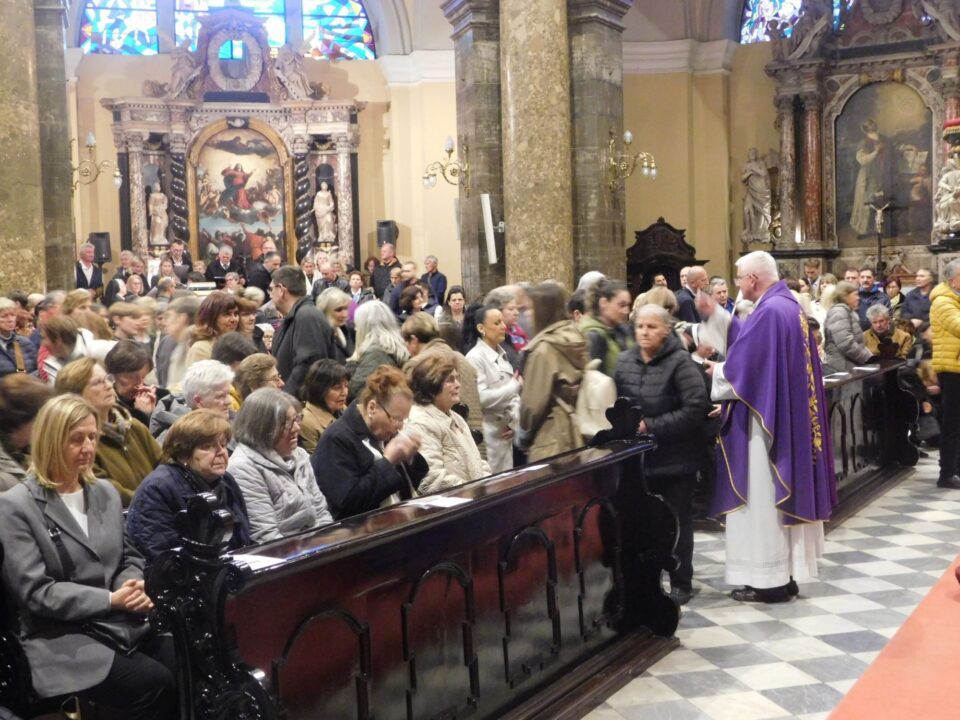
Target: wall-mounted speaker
x,y
101,247
387,232
488,228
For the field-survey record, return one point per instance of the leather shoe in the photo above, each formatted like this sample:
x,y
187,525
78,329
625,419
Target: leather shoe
x,y
952,482
793,588
764,595
681,596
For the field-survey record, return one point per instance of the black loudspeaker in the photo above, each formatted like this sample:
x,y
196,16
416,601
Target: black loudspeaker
x,y
387,232
101,244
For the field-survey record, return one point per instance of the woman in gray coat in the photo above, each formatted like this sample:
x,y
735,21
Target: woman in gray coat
x,y
273,472
75,578
843,346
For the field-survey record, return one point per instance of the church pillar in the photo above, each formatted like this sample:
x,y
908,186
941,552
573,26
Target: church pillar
x,y
50,19
345,147
21,195
138,208
812,152
788,169
596,84
535,95
476,42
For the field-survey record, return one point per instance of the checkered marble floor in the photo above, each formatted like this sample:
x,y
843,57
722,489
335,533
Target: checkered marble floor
x,y
797,660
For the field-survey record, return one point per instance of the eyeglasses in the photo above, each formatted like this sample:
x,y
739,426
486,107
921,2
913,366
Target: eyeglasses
x,y
105,380
391,418
296,421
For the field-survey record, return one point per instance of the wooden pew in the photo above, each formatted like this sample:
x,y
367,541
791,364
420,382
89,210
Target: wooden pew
x,y
517,596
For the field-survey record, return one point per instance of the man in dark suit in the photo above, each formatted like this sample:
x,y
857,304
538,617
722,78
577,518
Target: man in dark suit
x,y
436,281
686,296
182,262
225,263
112,291
260,272
89,276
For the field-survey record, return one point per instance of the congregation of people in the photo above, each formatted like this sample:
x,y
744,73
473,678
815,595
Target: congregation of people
x,y
304,394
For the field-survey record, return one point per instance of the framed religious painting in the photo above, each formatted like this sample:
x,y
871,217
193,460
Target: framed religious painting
x,y
884,160
240,190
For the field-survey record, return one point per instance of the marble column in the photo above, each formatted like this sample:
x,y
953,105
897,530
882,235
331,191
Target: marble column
x,y
138,208
788,171
476,41
535,101
345,147
812,153
596,85
21,194
60,239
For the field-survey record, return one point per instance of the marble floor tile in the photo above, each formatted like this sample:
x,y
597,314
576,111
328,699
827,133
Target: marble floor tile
x,y
675,710
740,706
799,648
864,584
701,684
817,625
854,642
771,675
838,667
641,691
805,698
689,661
696,638
770,630
736,656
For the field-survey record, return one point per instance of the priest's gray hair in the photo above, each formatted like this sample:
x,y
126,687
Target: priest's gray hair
x,y
657,311
952,269
875,311
759,263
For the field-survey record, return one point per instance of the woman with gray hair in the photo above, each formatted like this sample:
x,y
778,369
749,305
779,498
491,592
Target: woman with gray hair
x,y
843,346
660,377
334,303
378,343
273,472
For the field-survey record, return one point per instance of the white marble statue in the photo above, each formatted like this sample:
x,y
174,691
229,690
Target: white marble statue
x,y
158,216
186,69
947,199
288,68
756,202
324,208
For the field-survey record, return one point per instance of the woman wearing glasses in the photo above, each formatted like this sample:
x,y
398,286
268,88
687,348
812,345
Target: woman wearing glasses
x,y
273,472
366,460
195,461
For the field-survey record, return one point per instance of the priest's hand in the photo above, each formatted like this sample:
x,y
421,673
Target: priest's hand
x,y
708,367
714,411
705,351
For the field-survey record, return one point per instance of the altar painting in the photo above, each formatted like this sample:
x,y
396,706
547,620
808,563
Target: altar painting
x,y
240,195
884,155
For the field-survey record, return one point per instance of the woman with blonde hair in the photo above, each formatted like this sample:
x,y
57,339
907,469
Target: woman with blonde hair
x,y
334,303
76,579
378,343
254,372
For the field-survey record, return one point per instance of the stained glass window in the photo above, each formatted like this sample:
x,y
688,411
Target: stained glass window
x,y
757,13
188,27
338,29
119,27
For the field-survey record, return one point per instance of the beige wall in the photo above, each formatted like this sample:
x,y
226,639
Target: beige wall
x,y
401,130
699,127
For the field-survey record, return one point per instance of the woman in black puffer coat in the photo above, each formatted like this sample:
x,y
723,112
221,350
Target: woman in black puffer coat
x,y
661,378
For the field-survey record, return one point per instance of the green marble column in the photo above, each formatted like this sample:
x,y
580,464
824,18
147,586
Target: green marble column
x,y
535,99
476,38
50,20
21,199
596,83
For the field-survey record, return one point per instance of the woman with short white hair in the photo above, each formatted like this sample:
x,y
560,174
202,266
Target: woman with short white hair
x,y
206,385
379,342
273,472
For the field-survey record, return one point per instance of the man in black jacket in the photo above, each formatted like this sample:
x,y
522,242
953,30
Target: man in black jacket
x,y
261,272
686,296
305,335
381,273
225,263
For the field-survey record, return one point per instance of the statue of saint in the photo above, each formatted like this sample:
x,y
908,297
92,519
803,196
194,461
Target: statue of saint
x,y
947,198
186,69
323,210
158,216
756,203
288,67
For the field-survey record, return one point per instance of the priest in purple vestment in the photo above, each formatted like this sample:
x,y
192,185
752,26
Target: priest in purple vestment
x,y
775,476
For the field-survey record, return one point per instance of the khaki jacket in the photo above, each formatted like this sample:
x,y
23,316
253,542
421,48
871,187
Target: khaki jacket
x,y
315,421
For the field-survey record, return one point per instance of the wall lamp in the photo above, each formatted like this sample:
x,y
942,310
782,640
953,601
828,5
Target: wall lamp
x,y
454,170
88,169
621,163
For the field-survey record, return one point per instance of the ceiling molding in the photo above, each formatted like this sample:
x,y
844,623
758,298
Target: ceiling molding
x,y
420,66
678,56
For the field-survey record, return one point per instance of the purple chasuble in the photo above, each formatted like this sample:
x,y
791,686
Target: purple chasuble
x,y
773,367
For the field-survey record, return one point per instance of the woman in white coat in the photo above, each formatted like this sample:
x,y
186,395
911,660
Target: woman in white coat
x,y
499,388
445,440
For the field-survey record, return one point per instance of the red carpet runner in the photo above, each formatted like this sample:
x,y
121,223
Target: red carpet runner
x,y
917,674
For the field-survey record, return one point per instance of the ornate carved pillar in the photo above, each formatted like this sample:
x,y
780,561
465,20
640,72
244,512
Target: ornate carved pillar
x,y
950,87
138,209
345,148
179,209
535,101
788,171
476,42
50,20
21,196
596,82
812,154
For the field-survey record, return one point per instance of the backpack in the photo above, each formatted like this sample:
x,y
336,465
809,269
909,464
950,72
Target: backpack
x,y
597,393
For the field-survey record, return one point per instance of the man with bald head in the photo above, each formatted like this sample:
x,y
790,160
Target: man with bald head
x,y
381,273
775,476
686,297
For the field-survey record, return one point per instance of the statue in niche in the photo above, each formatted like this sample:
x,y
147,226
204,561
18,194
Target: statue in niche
x,y
186,69
808,34
947,198
756,203
323,210
158,216
288,69
944,12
